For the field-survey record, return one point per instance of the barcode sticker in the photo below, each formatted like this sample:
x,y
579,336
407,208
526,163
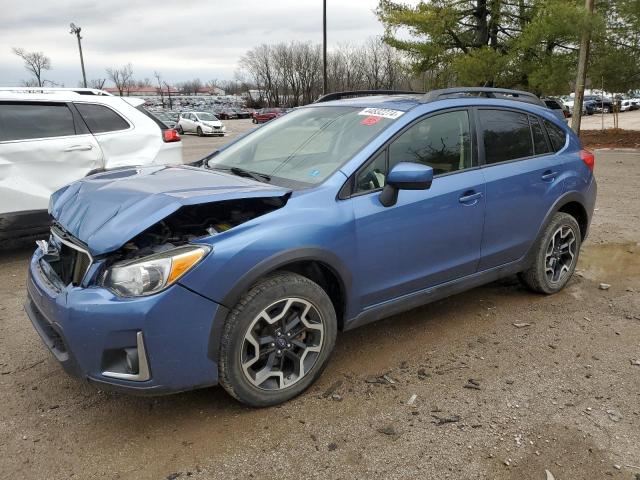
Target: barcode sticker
x,y
381,112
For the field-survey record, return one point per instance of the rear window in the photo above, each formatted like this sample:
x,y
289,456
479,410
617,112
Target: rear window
x,y
24,121
506,135
553,105
101,119
557,135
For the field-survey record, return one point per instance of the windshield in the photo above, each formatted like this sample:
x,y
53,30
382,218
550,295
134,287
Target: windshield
x,y
306,145
207,117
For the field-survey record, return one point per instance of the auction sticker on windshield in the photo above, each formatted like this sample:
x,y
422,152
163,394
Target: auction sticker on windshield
x,y
381,112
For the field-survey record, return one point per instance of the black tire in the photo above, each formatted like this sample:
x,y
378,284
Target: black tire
x,y
536,277
200,134
179,129
254,120
267,292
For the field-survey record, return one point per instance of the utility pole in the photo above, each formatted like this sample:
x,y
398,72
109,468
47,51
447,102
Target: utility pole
x,y
75,30
324,46
581,78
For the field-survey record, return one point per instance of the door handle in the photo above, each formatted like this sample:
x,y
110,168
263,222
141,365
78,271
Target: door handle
x,y
549,175
470,198
79,148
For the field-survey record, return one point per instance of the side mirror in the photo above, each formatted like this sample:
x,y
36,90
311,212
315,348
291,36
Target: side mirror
x,y
405,176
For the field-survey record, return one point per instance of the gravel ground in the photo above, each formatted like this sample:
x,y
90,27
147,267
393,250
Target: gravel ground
x,y
492,383
626,121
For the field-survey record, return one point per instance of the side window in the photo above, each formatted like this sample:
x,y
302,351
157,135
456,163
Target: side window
x,y
442,142
24,121
506,135
373,175
557,136
540,145
101,119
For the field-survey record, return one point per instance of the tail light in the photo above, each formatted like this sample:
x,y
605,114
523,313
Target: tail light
x,y
588,158
170,135
565,113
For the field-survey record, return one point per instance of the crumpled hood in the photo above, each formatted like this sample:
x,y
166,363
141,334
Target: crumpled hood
x,y
106,210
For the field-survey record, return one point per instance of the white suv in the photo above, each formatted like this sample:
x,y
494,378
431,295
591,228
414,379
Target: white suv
x,y
202,123
50,137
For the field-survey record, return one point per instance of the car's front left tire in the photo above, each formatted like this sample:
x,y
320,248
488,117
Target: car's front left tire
x,y
277,340
200,132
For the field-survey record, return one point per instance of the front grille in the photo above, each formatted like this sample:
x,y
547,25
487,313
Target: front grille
x,y
65,262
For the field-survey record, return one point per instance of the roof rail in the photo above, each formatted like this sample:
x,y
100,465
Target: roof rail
x,y
79,91
487,92
362,93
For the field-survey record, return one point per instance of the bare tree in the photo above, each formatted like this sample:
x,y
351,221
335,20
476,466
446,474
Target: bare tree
x,y
35,63
97,83
122,77
158,77
290,73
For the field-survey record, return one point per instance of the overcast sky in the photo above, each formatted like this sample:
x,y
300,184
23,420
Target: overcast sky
x,y
181,39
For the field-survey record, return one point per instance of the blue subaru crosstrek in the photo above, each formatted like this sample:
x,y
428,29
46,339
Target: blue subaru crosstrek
x,y
242,270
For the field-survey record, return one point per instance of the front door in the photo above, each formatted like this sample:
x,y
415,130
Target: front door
x,y
428,237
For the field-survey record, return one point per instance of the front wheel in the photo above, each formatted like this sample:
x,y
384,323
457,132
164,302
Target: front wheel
x,y
556,255
180,130
277,340
199,131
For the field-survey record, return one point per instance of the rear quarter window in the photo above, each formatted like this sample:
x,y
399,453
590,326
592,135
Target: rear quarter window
x,y
557,135
101,119
24,121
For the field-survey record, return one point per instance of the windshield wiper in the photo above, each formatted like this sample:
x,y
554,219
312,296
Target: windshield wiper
x,y
241,172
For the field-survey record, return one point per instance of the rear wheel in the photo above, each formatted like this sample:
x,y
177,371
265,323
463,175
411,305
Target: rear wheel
x,y
277,340
556,255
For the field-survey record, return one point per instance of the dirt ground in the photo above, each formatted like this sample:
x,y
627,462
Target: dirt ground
x,y
555,385
611,138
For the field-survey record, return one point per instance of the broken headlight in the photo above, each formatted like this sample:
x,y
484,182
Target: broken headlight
x,y
151,274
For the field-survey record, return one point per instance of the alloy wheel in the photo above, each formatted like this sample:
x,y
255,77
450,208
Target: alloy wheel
x,y
560,254
282,344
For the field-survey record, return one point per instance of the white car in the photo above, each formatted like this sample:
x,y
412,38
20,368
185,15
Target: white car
x,y
202,123
629,104
50,137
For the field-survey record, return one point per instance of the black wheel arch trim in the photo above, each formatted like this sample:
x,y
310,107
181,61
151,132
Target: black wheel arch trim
x,y
265,267
565,199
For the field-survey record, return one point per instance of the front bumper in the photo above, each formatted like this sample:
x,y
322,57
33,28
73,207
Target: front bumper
x,y
83,327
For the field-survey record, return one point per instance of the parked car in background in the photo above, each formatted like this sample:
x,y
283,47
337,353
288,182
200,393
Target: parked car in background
x,y
587,106
266,114
243,113
557,107
50,137
169,120
201,123
226,114
336,215
599,103
629,104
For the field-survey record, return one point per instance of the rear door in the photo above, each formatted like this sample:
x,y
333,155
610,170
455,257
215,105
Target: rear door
x,y
43,146
523,180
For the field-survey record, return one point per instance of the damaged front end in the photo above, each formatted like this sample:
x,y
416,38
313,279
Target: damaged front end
x,y
141,224
156,258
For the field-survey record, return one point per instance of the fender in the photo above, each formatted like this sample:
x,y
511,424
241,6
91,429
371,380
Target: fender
x,y
263,268
567,197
